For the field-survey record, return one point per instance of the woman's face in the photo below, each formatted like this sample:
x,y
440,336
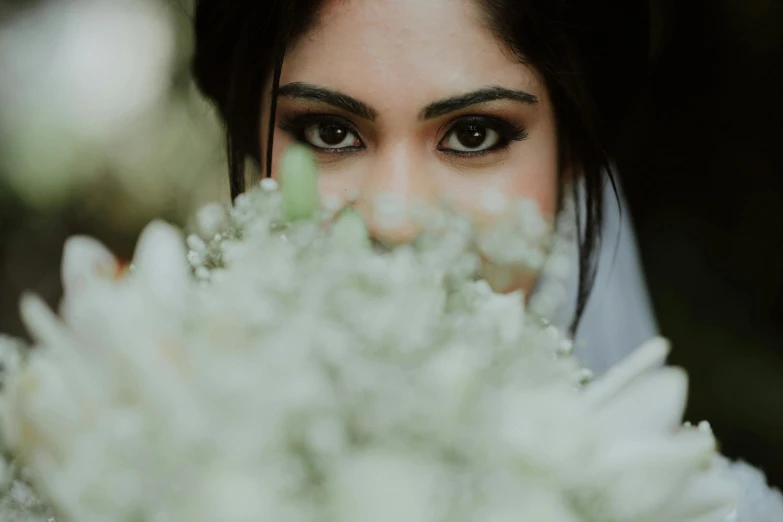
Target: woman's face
x,y
416,101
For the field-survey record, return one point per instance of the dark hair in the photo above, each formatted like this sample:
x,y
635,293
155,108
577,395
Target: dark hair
x,y
577,45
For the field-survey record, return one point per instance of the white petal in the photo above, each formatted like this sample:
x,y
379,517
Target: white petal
x,y
645,475
708,497
161,260
757,500
384,487
653,404
40,321
86,259
508,312
530,503
650,355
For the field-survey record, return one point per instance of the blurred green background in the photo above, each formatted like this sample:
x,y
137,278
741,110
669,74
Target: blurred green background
x,y
701,164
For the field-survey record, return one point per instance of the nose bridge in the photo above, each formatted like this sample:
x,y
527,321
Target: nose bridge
x,y
395,183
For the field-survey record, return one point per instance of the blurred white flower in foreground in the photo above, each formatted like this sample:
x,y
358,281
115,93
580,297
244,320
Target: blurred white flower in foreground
x,y
89,65
80,82
302,376
758,503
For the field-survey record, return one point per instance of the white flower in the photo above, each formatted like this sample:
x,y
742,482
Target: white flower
x,y
387,486
303,375
759,502
651,468
110,60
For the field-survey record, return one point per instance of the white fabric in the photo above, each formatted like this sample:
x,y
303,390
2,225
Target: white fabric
x,y
618,316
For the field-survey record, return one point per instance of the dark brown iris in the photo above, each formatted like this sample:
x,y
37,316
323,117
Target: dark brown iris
x,y
332,134
471,136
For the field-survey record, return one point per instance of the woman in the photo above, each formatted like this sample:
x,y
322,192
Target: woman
x,y
444,99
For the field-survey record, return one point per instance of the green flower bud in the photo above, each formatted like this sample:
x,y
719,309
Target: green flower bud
x,y
299,183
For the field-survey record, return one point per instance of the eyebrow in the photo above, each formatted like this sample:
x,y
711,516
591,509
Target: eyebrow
x,y
306,91
489,94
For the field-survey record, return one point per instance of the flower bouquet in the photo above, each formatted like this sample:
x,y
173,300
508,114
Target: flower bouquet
x,y
278,366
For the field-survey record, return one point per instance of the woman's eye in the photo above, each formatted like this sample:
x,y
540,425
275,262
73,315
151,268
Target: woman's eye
x,y
470,137
330,136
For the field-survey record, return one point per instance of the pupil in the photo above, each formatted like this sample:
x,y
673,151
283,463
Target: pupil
x,y
332,134
472,136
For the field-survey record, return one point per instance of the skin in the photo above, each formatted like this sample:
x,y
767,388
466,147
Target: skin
x,y
398,58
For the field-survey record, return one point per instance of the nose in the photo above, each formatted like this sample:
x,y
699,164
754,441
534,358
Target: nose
x,y
395,185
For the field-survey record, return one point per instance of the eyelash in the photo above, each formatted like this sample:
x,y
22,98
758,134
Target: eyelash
x,y
297,123
506,130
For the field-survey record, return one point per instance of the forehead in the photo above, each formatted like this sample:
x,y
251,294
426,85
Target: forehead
x,y
428,47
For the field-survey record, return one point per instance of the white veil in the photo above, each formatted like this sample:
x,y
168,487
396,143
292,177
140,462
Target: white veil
x,y
618,316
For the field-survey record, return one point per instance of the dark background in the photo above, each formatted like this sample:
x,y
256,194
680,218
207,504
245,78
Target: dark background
x,y
703,171
701,165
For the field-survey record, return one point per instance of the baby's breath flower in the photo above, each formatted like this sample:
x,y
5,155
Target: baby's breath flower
x,y
275,367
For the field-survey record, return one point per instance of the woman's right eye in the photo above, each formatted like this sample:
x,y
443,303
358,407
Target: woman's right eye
x,y
323,132
331,136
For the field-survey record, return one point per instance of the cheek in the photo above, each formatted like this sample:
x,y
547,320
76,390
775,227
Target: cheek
x,y
531,178
539,183
532,174
538,175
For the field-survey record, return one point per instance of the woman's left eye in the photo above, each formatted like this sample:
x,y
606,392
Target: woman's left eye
x,y
471,138
476,136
